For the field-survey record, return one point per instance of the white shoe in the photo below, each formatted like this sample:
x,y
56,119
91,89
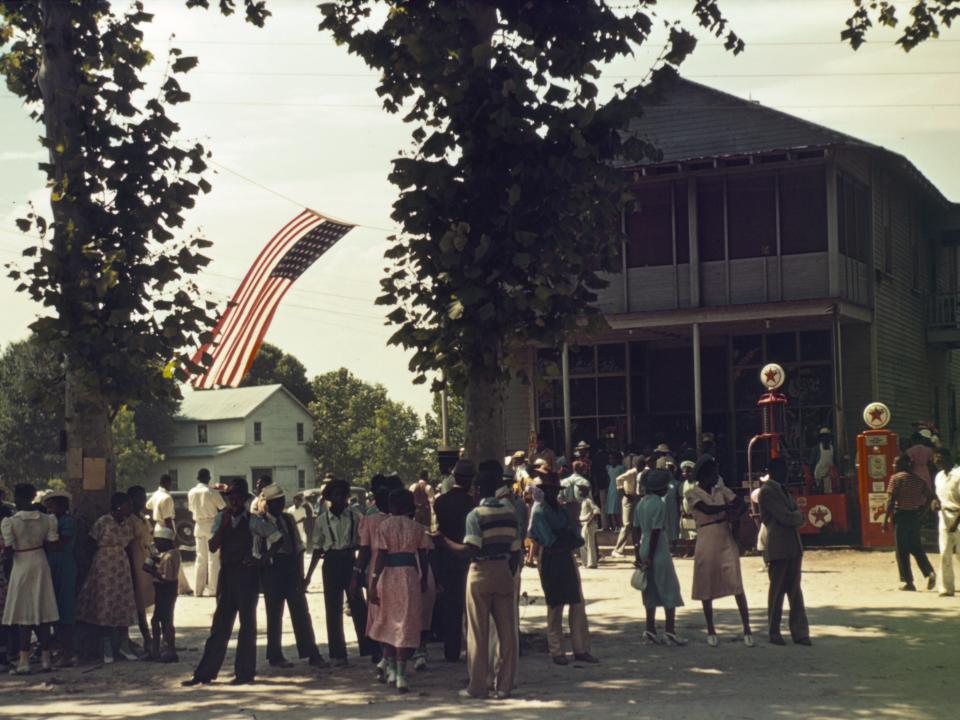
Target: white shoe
x,y
713,641
617,554
748,641
391,673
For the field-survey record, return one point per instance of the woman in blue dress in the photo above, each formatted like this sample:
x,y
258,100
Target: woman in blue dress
x,y
63,568
613,509
663,586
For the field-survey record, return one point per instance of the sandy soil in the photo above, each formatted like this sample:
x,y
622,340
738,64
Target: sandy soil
x,y
878,653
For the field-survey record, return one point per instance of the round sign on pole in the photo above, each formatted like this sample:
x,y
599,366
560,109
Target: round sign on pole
x,y
772,376
876,415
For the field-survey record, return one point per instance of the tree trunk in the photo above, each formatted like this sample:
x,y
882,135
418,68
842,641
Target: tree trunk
x,y
87,410
483,407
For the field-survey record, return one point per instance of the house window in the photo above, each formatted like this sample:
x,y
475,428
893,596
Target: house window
x,y
650,228
174,479
853,207
301,479
202,434
710,220
257,432
752,216
803,211
299,432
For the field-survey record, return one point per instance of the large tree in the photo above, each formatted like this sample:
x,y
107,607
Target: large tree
x,y
121,310
359,431
510,201
272,365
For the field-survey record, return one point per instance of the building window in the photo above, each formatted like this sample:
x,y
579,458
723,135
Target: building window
x,y
752,216
803,211
299,432
710,219
650,227
174,479
598,395
301,479
202,434
853,208
257,432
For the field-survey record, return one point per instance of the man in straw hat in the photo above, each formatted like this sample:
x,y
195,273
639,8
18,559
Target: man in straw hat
x,y
281,577
558,536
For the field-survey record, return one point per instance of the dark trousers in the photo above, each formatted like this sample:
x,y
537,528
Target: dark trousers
x,y
785,582
337,573
453,578
906,526
282,583
237,594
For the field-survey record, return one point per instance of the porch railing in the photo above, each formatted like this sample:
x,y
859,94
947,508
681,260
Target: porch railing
x,y
945,311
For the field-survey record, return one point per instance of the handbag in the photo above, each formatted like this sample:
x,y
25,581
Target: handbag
x,y
638,581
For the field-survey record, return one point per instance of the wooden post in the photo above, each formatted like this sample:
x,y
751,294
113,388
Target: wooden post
x,y
567,421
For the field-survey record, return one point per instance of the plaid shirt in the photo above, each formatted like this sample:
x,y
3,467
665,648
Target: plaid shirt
x,y
908,491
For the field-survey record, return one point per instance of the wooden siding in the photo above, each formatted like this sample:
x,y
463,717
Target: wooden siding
x,y
653,288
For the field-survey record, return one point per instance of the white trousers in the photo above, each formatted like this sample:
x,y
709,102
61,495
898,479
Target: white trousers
x,y
948,546
588,551
208,564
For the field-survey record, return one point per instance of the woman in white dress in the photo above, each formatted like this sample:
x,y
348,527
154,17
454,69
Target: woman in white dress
x,y
31,598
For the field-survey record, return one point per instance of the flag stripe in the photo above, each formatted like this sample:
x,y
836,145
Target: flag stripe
x,y
255,348
272,292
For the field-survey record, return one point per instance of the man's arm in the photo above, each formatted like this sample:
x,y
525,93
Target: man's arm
x,y
775,503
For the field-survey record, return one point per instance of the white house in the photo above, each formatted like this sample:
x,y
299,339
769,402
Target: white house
x,y
243,432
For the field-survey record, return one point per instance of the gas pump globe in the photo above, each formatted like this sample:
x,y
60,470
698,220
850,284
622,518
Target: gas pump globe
x,y
773,408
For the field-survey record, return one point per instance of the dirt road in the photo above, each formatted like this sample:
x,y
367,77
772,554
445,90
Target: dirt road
x,y
878,653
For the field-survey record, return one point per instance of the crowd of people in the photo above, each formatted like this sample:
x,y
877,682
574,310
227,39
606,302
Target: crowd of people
x,y
421,564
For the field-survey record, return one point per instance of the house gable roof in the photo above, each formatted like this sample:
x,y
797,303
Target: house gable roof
x,y
695,121
229,403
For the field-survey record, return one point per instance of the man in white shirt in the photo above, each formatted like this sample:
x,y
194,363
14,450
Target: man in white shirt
x,y
204,504
947,485
336,540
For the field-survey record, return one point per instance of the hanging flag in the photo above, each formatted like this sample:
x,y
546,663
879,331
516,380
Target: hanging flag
x,y
241,328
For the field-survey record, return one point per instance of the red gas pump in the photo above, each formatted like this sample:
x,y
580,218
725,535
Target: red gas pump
x,y
876,452
773,423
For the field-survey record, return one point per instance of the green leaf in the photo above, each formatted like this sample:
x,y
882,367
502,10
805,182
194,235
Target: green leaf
x,y
184,64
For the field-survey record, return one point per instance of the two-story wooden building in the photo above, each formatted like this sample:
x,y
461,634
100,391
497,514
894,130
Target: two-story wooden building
x,y
241,432
759,237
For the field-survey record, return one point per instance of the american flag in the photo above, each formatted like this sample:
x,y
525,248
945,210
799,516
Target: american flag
x,y
241,328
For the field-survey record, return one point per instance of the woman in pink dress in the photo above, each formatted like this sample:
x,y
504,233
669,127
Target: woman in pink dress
x,y
381,487
400,579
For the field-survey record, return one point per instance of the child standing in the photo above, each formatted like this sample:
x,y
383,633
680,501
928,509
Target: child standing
x,y
63,569
165,569
400,576
589,513
663,587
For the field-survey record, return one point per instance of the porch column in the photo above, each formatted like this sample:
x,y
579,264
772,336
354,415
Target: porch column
x,y
697,389
444,421
567,421
839,426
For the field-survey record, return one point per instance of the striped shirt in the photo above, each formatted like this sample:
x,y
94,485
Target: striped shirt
x,y
492,526
908,491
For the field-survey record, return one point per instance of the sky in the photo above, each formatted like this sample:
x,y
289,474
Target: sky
x,y
293,121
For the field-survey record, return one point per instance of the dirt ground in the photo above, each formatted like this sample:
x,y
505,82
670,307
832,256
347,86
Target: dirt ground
x,y
878,653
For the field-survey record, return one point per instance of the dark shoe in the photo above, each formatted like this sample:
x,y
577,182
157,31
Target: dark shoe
x,y
339,662
777,640
317,661
908,587
560,660
242,681
281,663
585,657
931,581
803,641
169,657
194,681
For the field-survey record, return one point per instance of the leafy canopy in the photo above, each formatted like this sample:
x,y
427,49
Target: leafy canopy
x,y
272,365
510,201
926,18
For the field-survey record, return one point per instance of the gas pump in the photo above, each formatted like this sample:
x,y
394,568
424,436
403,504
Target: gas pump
x,y
876,452
773,423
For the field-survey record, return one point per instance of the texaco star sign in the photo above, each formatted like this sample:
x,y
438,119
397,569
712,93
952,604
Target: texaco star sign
x,y
772,376
876,415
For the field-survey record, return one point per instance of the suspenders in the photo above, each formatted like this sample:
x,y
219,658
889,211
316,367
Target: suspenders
x,y
333,537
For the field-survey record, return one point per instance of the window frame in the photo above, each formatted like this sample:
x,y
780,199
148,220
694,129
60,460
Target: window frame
x,y
203,435
257,431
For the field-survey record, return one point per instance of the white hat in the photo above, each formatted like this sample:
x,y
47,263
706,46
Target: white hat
x,y
57,494
271,492
163,533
